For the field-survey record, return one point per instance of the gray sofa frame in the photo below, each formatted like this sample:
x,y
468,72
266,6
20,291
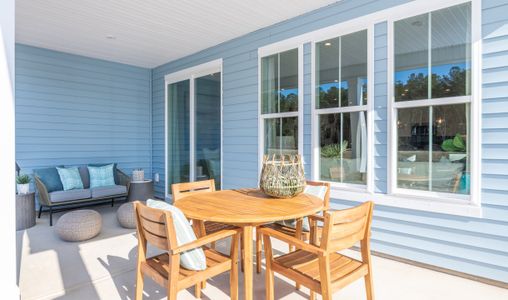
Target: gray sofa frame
x,y
53,207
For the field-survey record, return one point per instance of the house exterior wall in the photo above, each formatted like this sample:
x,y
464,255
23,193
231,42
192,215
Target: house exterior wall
x,y
477,246
73,110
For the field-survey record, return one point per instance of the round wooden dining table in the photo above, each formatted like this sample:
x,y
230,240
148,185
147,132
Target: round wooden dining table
x,y
247,208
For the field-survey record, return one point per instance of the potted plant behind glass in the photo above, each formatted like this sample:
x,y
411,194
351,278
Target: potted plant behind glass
x,y
457,153
330,160
23,184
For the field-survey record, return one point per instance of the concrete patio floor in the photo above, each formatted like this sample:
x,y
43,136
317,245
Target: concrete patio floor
x,y
104,268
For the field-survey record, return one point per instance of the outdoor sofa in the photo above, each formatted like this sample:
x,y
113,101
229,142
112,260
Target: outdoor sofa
x,y
59,200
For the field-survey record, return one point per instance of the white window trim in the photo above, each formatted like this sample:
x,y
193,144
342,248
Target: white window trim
x,y
267,51
191,74
368,108
469,205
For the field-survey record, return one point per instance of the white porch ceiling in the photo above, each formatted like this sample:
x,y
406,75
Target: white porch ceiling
x,y
146,33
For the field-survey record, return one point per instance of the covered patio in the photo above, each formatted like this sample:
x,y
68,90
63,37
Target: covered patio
x,y
372,134
104,268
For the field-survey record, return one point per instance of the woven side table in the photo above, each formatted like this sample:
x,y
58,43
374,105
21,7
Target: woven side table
x,y
25,211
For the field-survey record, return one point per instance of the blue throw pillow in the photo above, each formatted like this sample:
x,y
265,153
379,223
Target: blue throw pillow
x,y
50,178
70,178
114,169
101,176
194,259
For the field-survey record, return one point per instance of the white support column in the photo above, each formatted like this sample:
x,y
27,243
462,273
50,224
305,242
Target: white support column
x,y
7,153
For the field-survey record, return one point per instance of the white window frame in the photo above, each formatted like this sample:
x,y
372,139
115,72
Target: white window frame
x,y
470,209
368,108
264,52
472,202
191,74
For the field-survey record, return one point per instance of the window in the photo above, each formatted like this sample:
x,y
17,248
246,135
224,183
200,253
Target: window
x,y
280,95
432,97
341,108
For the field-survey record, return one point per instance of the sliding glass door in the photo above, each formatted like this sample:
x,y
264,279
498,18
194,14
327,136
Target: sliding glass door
x,y
207,127
193,133
178,132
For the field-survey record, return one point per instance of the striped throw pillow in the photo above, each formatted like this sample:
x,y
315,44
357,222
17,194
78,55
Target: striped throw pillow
x,y
193,259
317,191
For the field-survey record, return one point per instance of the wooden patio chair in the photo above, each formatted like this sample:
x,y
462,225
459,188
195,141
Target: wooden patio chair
x,y
156,227
321,268
180,190
293,231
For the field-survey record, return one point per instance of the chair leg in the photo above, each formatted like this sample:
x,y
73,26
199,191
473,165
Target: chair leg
x,y
269,276
312,295
40,210
369,287
197,290
324,271
233,275
259,246
50,216
139,285
242,252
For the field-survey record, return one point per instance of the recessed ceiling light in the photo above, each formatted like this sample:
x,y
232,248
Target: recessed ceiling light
x,y
111,37
328,44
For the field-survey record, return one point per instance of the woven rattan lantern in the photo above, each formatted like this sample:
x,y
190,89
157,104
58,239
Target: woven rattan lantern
x,y
282,176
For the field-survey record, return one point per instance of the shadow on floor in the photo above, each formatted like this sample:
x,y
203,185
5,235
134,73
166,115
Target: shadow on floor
x,y
218,285
56,266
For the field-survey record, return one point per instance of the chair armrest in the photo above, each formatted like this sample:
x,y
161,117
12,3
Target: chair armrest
x,y
290,240
317,218
43,191
123,179
207,239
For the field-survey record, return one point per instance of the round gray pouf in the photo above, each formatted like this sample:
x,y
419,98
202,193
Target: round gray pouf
x,y
125,215
79,225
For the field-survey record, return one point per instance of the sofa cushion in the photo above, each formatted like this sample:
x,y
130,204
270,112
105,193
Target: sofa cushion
x,y
50,178
104,191
115,174
62,196
101,176
193,259
71,180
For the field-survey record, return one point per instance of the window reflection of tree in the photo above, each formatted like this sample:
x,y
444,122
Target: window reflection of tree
x,y
443,85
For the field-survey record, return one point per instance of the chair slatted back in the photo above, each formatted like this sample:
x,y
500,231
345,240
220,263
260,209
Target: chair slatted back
x,y
344,228
155,226
180,189
327,195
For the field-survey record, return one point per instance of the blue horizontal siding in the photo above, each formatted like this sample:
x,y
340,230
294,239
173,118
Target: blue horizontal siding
x,y
73,110
472,245
380,107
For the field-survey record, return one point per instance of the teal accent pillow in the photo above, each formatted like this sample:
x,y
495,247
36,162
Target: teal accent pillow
x,y
50,178
114,169
318,191
101,176
70,178
193,259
